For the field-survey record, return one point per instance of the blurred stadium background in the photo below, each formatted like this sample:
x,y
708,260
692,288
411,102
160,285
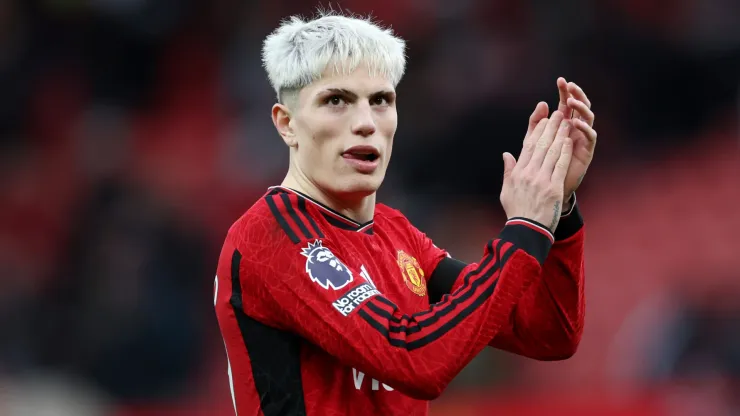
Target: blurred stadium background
x,y
133,132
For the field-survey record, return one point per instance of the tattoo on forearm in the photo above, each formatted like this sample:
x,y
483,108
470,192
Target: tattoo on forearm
x,y
555,215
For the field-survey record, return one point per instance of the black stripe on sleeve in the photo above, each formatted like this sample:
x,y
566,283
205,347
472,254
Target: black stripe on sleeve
x,y
274,356
463,294
304,210
382,329
442,330
375,324
439,332
236,287
291,211
534,242
387,302
443,278
281,219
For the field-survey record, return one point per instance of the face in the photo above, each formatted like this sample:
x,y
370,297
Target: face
x,y
341,132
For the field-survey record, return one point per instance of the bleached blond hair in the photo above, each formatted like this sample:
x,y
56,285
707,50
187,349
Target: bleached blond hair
x,y
299,51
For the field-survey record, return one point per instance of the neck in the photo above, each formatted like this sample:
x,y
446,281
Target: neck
x,y
357,208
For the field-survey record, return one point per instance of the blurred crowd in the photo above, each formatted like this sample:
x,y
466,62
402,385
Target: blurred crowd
x,y
134,132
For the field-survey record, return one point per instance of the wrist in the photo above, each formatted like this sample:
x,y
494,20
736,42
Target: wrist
x,y
570,222
568,202
530,236
568,206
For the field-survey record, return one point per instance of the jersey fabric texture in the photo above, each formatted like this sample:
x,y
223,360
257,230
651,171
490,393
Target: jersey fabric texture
x,y
322,315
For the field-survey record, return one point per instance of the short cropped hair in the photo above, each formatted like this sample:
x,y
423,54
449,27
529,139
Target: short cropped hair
x,y
299,51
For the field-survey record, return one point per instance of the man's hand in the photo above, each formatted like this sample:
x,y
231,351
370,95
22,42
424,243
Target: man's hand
x,y
533,185
575,106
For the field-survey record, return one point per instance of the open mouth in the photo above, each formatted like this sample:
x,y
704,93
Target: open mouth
x,y
363,153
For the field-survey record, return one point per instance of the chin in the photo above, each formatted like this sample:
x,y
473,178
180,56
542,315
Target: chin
x,y
359,185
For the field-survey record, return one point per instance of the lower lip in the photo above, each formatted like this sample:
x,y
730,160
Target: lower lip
x,y
362,166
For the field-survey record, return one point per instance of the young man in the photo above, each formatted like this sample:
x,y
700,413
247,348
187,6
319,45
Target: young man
x,y
332,304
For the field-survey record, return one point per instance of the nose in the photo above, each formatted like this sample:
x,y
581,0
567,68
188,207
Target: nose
x,y
364,124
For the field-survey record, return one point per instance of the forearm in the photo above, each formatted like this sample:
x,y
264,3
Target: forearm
x,y
548,321
427,350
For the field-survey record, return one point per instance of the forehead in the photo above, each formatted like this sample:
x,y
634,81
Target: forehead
x,y
361,80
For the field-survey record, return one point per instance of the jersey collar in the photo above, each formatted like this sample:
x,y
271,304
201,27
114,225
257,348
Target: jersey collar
x,y
333,217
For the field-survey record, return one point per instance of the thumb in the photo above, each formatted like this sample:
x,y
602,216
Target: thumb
x,y
509,164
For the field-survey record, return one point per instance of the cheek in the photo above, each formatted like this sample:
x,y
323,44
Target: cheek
x,y
326,138
388,120
388,125
319,138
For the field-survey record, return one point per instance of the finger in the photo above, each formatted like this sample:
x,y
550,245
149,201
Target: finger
x,y
561,166
529,144
584,112
509,164
553,153
545,140
540,111
564,95
586,129
578,93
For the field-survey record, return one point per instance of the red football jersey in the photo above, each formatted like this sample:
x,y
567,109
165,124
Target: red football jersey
x,y
322,315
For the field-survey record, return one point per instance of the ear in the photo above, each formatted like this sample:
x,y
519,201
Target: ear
x,y
281,118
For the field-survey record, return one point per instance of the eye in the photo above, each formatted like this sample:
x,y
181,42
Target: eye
x,y
379,100
382,100
335,100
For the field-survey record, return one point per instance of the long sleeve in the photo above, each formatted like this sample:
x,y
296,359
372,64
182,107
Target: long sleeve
x,y
547,322
315,289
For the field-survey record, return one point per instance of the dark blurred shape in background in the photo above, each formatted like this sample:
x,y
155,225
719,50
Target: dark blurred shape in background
x,y
133,133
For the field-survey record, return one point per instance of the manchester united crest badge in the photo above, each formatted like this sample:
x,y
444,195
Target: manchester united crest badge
x,y
412,273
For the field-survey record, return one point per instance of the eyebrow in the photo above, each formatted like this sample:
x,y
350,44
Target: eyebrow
x,y
342,91
354,96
